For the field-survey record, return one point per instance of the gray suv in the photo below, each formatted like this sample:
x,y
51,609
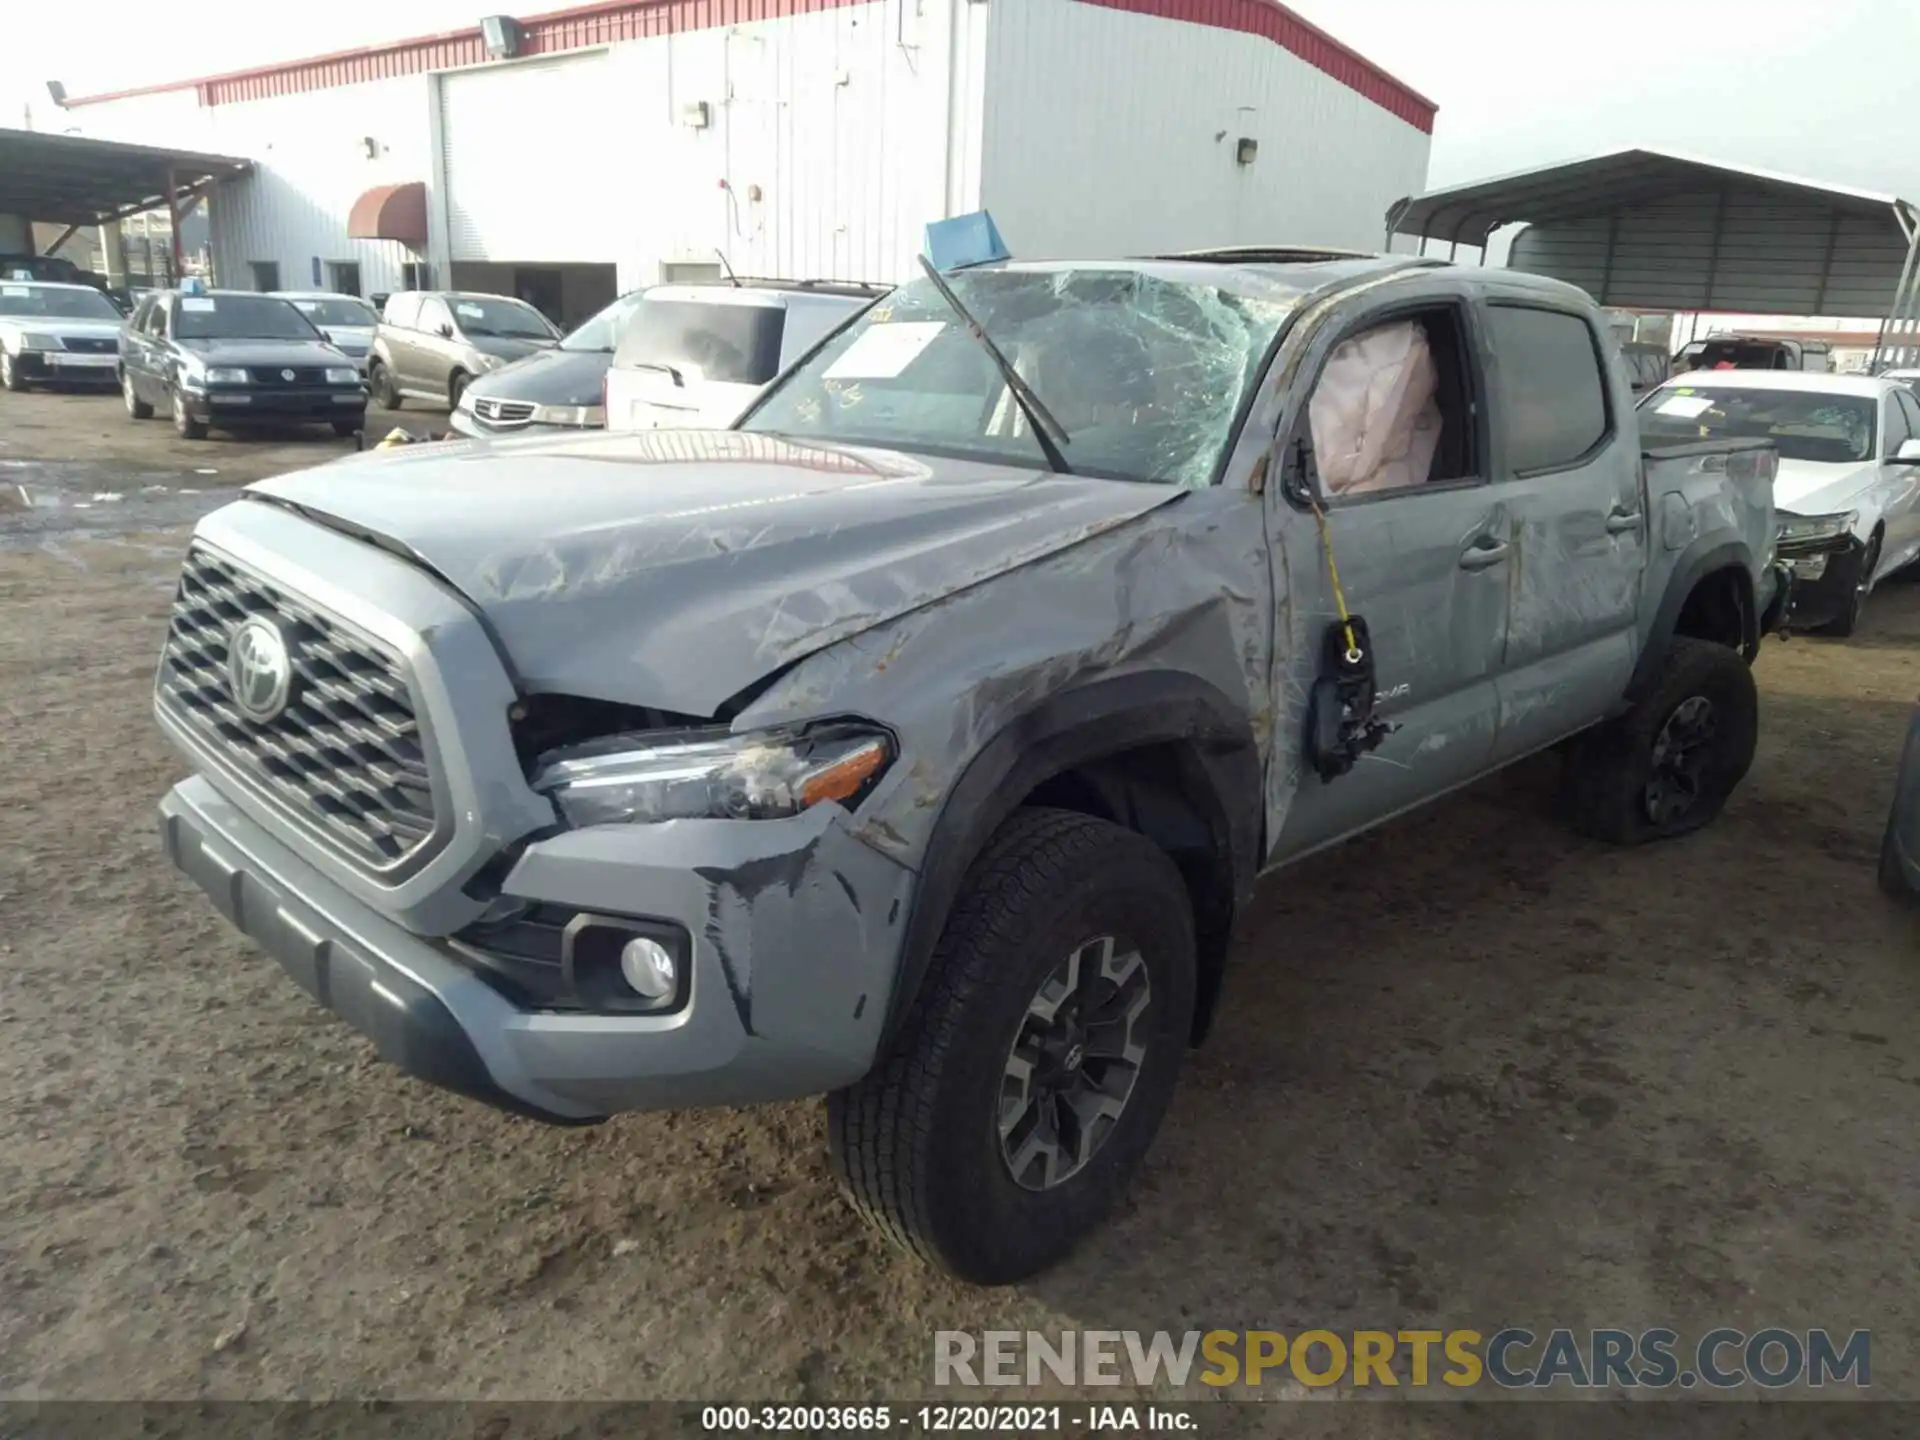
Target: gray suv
x,y
918,740
431,343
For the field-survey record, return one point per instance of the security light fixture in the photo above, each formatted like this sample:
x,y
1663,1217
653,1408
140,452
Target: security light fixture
x,y
1245,149
695,115
502,35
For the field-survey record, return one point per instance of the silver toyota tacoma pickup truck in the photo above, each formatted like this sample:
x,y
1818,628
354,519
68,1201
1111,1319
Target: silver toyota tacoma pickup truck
x,y
917,741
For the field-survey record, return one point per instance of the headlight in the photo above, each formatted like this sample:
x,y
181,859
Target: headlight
x,y
578,415
343,375
224,375
712,774
34,340
1799,529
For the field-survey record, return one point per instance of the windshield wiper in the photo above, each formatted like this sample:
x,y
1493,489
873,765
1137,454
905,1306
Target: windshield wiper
x,y
1045,427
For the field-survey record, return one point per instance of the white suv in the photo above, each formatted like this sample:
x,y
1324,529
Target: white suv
x,y
697,355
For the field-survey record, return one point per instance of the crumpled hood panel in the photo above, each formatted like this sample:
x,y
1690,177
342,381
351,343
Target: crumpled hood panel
x,y
1807,487
675,568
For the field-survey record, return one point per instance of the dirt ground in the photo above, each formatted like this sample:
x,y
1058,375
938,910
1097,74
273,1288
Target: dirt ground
x,y
1473,1072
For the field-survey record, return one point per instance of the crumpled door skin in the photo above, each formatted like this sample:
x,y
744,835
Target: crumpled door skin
x,y
1375,418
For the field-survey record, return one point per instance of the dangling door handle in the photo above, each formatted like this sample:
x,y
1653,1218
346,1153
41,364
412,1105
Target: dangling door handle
x,y
1483,553
1620,521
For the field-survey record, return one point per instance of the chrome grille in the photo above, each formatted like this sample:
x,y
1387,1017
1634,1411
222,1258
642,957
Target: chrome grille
x,y
288,374
90,345
506,414
345,756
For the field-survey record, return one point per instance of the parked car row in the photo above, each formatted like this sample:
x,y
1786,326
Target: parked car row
x,y
665,357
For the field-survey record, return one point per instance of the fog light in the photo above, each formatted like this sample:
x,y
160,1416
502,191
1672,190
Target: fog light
x,y
647,966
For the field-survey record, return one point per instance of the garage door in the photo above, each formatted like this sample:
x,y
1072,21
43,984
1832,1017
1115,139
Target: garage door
x,y
527,160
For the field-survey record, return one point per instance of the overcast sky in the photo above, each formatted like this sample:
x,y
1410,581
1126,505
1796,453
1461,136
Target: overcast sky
x,y
1816,90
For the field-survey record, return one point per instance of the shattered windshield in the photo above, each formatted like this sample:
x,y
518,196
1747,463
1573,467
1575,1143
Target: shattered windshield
x,y
1145,374
1808,425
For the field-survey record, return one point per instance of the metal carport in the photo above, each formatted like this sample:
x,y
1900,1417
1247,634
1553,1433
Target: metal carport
x,y
71,180
1651,230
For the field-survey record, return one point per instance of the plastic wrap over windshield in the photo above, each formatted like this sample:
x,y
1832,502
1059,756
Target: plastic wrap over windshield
x,y
1144,374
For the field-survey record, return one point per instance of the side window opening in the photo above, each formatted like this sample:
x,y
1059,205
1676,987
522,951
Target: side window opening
x,y
1393,408
1552,387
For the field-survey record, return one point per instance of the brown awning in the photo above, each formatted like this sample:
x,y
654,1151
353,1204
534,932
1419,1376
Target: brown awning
x,y
391,212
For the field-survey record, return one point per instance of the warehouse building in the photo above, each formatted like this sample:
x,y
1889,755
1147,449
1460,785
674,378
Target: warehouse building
x,y
573,155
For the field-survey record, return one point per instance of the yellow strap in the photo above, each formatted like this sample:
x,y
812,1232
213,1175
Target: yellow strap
x,y
1333,574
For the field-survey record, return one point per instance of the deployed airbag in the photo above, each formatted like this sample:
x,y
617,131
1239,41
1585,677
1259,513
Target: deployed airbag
x,y
1375,416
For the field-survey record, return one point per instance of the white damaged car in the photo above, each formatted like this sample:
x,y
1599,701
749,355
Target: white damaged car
x,y
1848,488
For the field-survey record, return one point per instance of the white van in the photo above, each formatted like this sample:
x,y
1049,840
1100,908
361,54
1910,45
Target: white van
x,y
697,355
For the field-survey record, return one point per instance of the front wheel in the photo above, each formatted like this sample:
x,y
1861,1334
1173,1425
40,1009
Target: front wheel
x,y
184,425
10,375
385,393
456,387
345,428
137,408
1038,1059
1668,765
1848,620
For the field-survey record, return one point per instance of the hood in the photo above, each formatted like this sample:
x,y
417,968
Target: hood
x,y
547,377
349,337
675,568
508,349
263,352
76,329
1809,487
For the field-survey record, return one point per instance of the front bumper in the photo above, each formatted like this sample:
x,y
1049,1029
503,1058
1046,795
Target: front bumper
x,y
1825,575
796,929
65,365
259,404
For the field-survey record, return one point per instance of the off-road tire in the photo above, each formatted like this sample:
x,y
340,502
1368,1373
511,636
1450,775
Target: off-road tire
x,y
184,425
137,409
1610,767
10,375
915,1143
1848,620
380,386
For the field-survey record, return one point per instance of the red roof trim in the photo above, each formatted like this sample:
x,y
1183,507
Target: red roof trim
x,y
1273,21
581,26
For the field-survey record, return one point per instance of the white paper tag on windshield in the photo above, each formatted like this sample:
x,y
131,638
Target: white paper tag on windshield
x,y
883,351
196,302
1687,407
472,312
18,292
306,307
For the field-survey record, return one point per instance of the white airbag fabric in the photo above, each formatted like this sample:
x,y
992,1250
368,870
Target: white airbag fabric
x,y
1376,422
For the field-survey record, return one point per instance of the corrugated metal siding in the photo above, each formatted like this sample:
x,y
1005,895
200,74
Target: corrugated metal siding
x,y
293,208
1738,250
524,191
1108,131
1290,32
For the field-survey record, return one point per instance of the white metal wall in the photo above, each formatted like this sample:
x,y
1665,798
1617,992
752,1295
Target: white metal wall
x,y
1112,132
531,154
311,164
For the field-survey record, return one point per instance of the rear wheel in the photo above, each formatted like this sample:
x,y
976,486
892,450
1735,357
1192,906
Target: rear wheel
x,y
10,375
1848,620
1004,1121
380,384
1667,766
456,387
184,425
137,408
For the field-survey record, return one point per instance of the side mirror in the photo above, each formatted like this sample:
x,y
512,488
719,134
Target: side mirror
x,y
1908,453
445,332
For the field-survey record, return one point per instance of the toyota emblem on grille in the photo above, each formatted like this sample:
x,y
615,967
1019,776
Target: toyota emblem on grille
x,y
259,669
286,374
